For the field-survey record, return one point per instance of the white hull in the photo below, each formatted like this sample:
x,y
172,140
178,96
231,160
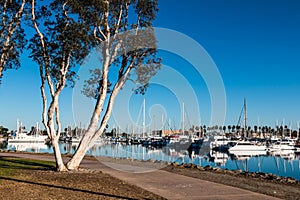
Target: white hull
x,y
247,146
23,138
281,147
249,153
28,139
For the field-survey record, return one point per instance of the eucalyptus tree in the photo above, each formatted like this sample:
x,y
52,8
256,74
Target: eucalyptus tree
x,y
66,31
124,30
61,41
12,39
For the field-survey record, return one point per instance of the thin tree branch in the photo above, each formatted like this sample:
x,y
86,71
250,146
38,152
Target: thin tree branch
x,y
101,32
44,98
115,51
18,15
4,17
119,21
13,25
44,51
95,35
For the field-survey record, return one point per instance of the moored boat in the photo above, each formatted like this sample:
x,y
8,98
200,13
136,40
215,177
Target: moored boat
x,y
220,142
20,136
247,146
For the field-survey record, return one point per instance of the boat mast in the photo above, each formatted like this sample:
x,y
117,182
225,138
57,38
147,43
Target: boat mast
x,y
18,127
183,118
298,130
37,129
245,116
132,133
258,124
144,117
283,127
162,122
291,129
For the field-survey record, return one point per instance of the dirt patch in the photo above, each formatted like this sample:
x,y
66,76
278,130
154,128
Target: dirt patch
x,y
46,184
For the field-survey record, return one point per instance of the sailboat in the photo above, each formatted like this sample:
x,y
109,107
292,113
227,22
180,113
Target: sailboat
x,y
22,137
243,146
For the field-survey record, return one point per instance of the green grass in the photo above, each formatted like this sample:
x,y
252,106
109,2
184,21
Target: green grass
x,y
11,166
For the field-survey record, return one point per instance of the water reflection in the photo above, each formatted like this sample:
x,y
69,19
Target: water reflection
x,y
282,162
30,147
219,158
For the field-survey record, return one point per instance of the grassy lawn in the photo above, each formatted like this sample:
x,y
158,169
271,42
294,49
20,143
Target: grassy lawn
x,y
35,179
12,166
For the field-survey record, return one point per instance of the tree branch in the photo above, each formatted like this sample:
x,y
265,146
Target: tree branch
x,y
101,32
44,51
10,29
3,17
119,85
119,21
95,35
44,98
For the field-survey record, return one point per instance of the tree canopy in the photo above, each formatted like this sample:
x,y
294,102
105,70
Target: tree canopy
x,y
12,40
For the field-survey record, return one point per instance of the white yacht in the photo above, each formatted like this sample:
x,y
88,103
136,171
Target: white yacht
x,y
219,142
284,144
247,146
22,137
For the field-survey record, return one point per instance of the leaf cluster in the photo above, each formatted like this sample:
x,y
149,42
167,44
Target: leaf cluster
x,y
133,34
11,48
67,40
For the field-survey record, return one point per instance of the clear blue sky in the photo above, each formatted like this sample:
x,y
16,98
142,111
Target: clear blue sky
x,y
255,45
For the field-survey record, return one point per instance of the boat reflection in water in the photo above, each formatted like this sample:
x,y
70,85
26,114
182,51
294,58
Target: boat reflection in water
x,y
34,147
218,157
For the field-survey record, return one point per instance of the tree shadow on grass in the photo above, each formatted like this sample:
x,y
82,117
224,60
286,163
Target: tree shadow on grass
x,y
65,188
25,164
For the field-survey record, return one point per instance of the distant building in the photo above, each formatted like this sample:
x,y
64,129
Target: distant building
x,y
169,132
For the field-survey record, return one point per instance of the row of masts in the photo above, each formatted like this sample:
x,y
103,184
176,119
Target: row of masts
x,y
277,124
182,131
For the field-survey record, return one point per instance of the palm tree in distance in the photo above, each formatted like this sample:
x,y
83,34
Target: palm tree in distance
x,y
229,128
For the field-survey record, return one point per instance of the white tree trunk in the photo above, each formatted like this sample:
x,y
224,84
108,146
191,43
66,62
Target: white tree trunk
x,y
76,159
60,166
89,138
54,135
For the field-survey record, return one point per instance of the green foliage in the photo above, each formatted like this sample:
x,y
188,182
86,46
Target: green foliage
x,y
133,33
3,131
67,38
11,31
91,87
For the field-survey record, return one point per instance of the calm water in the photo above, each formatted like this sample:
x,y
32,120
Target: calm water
x,y
285,164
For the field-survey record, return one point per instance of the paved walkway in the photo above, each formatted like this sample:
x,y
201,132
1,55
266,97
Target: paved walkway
x,y
165,184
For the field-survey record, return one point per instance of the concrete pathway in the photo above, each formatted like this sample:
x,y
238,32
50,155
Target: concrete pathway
x,y
165,184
